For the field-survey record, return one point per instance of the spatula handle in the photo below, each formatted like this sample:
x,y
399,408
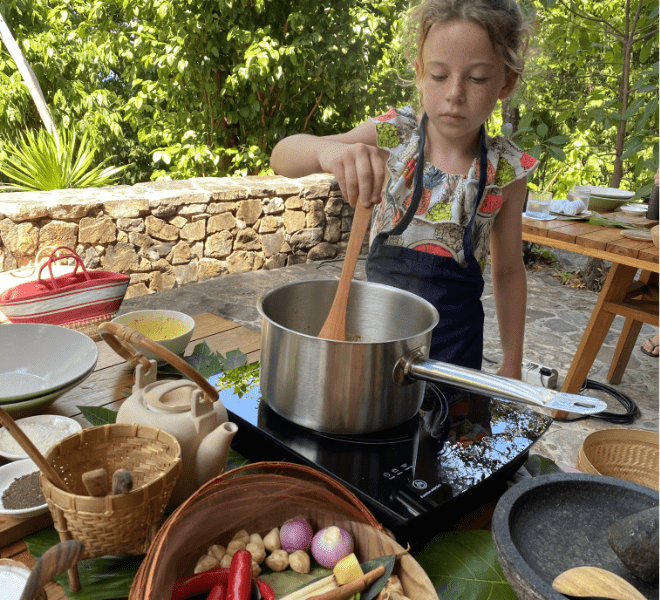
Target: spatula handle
x,y
334,327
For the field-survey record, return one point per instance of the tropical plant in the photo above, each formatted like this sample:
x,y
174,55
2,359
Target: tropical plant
x,y
43,161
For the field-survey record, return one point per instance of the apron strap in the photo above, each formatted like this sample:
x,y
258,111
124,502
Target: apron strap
x,y
418,187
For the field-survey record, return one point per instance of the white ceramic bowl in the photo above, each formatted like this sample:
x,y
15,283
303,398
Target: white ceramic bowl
x,y
31,406
43,431
155,323
635,209
10,472
37,359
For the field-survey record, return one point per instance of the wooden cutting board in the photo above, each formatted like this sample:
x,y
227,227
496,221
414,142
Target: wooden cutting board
x,y
13,529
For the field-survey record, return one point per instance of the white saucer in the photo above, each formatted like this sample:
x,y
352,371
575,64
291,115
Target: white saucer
x,y
635,209
587,214
10,472
548,218
57,428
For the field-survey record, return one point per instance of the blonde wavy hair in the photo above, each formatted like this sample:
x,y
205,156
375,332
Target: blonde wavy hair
x,y
508,28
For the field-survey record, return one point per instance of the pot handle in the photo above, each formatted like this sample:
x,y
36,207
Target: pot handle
x,y
415,365
120,337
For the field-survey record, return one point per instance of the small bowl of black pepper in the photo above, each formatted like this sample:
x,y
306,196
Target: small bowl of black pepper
x,y
20,493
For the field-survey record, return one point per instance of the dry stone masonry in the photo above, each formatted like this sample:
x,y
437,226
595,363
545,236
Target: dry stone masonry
x,y
170,233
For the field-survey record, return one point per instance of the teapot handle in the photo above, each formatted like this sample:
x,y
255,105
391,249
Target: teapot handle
x,y
121,337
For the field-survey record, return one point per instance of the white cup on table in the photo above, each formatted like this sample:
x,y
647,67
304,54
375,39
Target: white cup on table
x,y
574,193
538,204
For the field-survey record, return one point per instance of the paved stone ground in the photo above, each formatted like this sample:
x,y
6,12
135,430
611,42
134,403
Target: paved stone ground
x,y
556,318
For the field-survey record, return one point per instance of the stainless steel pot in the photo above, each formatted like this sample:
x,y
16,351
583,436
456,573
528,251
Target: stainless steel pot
x,y
376,380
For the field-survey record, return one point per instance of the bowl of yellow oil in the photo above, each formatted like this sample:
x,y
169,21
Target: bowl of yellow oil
x,y
171,329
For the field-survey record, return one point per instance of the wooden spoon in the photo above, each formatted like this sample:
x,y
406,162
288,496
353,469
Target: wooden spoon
x,y
334,327
31,450
592,581
54,561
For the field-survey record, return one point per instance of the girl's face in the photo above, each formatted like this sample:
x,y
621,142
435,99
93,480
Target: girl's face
x,y
461,77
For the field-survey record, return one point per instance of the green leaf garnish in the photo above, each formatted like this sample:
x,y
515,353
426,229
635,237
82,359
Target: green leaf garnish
x,y
605,222
98,415
374,589
464,564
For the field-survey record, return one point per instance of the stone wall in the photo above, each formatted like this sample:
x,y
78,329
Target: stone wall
x,y
171,233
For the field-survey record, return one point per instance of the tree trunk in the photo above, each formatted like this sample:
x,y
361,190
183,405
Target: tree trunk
x,y
510,114
28,75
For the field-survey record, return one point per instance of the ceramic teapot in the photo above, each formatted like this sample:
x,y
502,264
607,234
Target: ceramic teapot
x,y
189,409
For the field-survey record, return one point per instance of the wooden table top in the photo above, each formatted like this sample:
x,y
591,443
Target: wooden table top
x,y
597,241
105,387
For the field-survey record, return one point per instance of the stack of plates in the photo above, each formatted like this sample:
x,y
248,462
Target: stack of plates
x,y
38,363
604,198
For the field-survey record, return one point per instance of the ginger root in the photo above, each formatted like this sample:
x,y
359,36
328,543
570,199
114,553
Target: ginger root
x,y
278,560
206,562
299,561
392,590
272,540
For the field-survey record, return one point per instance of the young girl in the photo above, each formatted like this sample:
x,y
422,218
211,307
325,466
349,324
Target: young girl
x,y
451,190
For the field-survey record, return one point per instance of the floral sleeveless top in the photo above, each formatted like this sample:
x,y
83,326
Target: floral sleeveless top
x,y
447,200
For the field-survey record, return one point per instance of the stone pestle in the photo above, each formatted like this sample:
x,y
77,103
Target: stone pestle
x,y
634,540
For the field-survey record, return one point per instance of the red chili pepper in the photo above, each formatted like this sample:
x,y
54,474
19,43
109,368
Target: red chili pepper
x,y
218,592
199,583
265,590
240,576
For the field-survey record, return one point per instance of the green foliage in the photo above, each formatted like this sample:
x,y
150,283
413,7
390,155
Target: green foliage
x,y
200,87
204,88
98,415
590,105
464,564
41,161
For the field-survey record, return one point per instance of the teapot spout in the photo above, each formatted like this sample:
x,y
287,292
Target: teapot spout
x,y
212,453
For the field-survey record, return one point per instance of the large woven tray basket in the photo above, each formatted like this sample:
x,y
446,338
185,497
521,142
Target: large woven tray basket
x,y
113,524
256,498
629,454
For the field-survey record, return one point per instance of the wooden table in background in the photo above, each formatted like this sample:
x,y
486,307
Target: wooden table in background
x,y
634,299
105,387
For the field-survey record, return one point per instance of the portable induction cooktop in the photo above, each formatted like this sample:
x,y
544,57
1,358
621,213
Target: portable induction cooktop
x,y
417,478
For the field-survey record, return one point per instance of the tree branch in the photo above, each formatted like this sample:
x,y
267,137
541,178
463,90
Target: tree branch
x,y
29,77
312,111
571,7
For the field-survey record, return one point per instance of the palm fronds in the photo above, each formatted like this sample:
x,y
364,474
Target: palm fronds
x,y
41,161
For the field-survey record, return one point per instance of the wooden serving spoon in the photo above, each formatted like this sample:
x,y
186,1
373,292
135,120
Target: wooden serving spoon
x,y
54,561
334,327
31,450
592,581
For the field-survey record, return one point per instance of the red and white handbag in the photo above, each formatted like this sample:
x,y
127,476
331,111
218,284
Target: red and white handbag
x,y
78,300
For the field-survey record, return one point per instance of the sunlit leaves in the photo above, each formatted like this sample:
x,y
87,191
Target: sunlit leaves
x,y
40,161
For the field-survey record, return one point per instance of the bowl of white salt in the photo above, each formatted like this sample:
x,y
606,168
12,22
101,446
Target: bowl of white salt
x,y
43,431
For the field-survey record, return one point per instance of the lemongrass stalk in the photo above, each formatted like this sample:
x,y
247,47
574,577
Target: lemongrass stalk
x,y
312,589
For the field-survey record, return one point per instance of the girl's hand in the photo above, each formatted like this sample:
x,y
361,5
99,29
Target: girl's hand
x,y
359,168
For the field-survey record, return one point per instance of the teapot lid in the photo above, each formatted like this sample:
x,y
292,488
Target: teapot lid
x,y
169,396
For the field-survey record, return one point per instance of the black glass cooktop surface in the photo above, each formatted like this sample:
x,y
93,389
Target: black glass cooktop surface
x,y
433,467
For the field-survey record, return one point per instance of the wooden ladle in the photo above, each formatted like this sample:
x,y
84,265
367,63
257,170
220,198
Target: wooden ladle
x,y
54,561
334,327
31,450
592,581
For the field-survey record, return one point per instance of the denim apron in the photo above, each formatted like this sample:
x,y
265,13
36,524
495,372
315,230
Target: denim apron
x,y
454,290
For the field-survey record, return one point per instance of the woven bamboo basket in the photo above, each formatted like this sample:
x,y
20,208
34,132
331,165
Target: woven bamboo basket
x,y
112,524
629,454
256,498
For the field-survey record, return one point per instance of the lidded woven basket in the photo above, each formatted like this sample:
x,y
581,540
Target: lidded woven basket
x,y
257,498
629,454
113,524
